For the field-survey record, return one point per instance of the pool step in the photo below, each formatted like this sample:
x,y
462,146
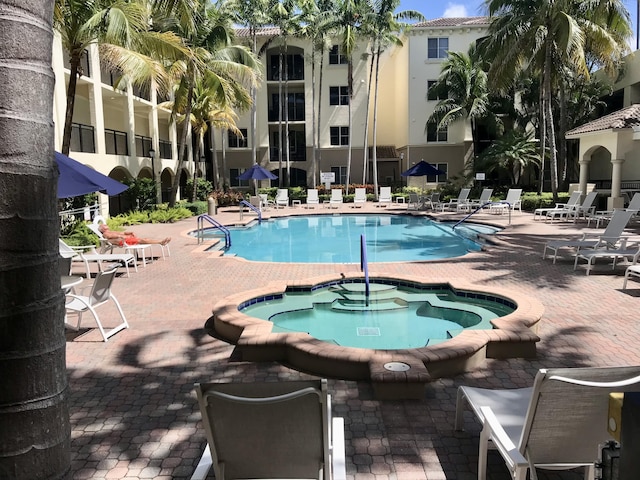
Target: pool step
x,y
384,304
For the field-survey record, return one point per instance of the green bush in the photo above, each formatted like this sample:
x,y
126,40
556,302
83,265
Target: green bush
x,y
79,234
203,188
196,208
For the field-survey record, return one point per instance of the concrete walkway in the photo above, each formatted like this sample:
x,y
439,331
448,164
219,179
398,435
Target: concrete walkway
x,y
134,414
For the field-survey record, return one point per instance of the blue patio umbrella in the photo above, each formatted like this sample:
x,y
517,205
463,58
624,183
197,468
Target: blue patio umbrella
x,y
421,169
256,173
76,179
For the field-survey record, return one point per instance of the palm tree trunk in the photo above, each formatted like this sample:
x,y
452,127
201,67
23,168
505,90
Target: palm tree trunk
x,y
226,176
314,143
74,68
350,87
34,416
319,136
365,153
254,95
281,183
286,115
562,123
550,128
183,149
375,127
214,158
542,131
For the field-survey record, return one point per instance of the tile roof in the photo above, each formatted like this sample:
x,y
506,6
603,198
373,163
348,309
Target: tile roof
x,y
454,22
260,32
625,118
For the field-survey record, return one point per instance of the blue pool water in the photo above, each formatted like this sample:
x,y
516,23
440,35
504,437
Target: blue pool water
x,y
393,316
336,239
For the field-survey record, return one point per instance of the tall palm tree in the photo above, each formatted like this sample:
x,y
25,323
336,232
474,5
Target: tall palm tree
x,y
543,36
346,20
463,81
313,27
384,27
253,15
210,53
34,414
122,29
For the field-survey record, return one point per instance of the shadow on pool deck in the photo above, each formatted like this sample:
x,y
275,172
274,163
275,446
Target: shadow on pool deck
x,y
134,414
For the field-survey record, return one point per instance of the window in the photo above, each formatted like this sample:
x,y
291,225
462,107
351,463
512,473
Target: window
x,y
432,93
143,145
116,142
82,139
340,174
435,135
437,47
235,181
336,56
443,167
238,141
338,95
339,135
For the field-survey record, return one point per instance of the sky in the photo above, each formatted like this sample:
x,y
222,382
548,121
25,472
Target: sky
x,y
470,8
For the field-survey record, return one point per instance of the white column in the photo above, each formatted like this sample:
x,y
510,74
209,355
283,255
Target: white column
x,y
156,164
584,175
130,120
616,200
96,106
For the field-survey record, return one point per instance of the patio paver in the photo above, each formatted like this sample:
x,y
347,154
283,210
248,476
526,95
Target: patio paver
x,y
134,414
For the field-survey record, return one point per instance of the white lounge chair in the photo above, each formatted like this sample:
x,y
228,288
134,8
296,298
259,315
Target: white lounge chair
x,y
414,203
470,205
100,295
336,198
282,198
512,202
573,200
270,430
605,215
360,197
384,197
624,251
88,254
609,238
574,211
631,271
454,202
312,198
139,249
557,424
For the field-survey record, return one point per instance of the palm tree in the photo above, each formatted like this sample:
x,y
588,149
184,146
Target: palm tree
x,y
384,28
122,29
544,36
512,153
346,20
252,14
212,54
34,413
314,28
463,81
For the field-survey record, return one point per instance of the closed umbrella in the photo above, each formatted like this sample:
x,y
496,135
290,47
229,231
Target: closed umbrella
x,y
76,179
256,173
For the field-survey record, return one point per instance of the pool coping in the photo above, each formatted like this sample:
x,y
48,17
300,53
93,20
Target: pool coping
x,y
513,336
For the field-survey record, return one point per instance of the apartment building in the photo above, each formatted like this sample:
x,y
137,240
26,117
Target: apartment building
x,y
122,131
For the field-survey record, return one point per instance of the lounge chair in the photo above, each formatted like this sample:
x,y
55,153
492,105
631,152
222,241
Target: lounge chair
x,y
384,197
513,201
576,210
139,249
433,201
623,251
100,295
573,200
609,238
605,215
557,424
454,202
336,198
360,197
414,202
270,430
469,205
88,253
282,198
312,198
631,271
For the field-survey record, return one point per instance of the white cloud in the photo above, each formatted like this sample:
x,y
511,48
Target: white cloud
x,y
454,10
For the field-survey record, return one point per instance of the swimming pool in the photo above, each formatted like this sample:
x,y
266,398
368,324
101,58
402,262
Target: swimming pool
x,y
336,239
394,315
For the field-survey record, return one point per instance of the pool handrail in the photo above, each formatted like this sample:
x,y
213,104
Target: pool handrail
x,y
244,203
216,224
500,202
364,265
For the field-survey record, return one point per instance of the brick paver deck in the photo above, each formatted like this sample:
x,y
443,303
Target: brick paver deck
x,y
134,414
